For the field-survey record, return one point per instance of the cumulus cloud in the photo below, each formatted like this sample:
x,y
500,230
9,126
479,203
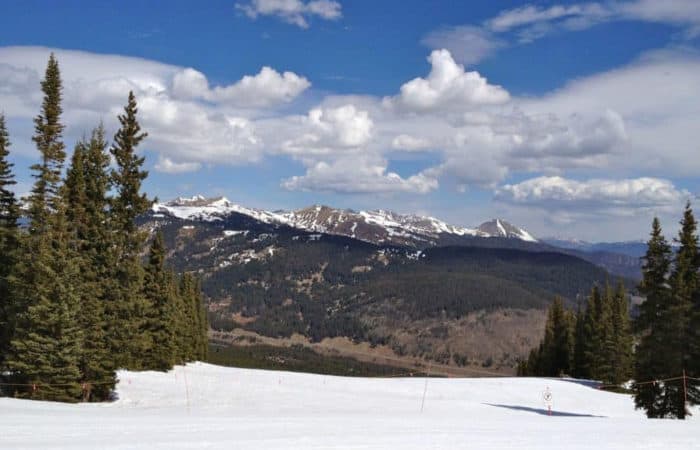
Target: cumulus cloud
x,y
295,12
473,134
327,130
447,86
410,143
267,88
358,176
185,132
612,196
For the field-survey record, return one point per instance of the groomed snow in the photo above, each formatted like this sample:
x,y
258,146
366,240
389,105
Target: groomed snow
x,y
205,406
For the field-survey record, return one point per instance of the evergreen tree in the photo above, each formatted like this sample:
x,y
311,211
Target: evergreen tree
x,y
203,323
86,193
126,306
622,358
48,131
9,244
605,354
47,342
684,285
160,324
650,357
557,340
581,367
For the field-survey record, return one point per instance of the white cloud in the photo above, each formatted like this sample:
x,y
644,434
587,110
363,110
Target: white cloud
x,y
295,12
166,165
409,143
468,44
181,129
532,22
267,88
359,175
620,197
330,130
447,86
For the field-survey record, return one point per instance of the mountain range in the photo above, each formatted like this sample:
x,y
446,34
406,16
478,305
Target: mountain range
x,y
377,226
406,285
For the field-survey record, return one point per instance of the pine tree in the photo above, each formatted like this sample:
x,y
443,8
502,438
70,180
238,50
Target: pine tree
x,y
47,342
9,244
622,358
581,367
127,307
203,323
684,284
591,343
48,131
160,324
650,357
605,354
86,192
557,340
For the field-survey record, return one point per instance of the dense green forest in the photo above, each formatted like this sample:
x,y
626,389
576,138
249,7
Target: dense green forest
x,y
77,299
326,286
660,350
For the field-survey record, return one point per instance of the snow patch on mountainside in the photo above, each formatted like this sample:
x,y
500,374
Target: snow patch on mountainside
x,y
379,226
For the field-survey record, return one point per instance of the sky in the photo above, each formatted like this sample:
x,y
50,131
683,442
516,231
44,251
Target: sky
x,y
570,119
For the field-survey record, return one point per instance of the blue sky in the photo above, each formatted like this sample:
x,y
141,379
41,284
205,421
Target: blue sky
x,y
576,119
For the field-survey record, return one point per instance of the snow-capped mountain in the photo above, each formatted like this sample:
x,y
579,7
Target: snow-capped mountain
x,y
377,226
501,228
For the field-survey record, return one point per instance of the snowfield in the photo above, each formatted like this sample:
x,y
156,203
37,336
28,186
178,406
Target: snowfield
x,y
206,406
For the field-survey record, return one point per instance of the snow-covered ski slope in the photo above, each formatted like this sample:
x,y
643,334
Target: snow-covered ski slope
x,y
205,406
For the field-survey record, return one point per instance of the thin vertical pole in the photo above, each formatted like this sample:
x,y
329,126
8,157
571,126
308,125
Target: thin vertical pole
x,y
685,390
425,388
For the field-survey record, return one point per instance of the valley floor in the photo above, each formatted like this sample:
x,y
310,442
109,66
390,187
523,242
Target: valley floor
x,y
206,406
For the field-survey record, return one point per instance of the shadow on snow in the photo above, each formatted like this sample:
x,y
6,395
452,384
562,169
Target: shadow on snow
x,y
541,411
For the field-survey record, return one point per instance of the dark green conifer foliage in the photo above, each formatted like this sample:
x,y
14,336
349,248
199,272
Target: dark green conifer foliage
x,y
48,131
203,323
9,243
650,357
605,354
684,285
127,307
581,367
623,358
557,340
47,342
161,325
87,182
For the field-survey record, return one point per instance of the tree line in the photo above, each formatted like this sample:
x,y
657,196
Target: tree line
x,y
78,300
660,350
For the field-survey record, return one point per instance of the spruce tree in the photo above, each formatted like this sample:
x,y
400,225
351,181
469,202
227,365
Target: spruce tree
x,y
86,192
47,342
581,367
9,244
622,358
160,325
203,323
651,356
557,340
604,358
684,284
127,307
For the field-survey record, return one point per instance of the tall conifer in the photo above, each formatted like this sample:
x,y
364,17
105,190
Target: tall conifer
x,y
9,243
127,307
47,343
650,357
